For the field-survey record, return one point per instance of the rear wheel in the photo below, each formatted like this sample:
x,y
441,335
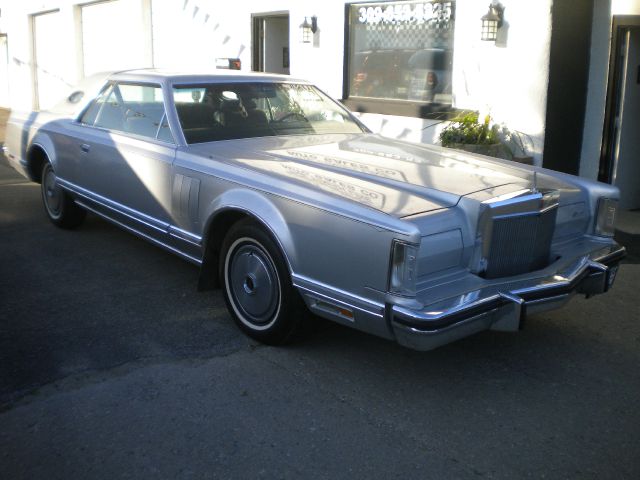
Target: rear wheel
x,y
257,287
58,205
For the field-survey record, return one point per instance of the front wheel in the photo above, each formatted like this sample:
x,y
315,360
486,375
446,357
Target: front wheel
x,y
257,287
58,205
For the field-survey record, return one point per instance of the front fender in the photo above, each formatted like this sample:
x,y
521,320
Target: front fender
x,y
259,206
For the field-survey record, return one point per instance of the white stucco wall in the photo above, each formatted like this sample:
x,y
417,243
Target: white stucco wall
x,y
507,80
16,24
191,34
66,44
625,7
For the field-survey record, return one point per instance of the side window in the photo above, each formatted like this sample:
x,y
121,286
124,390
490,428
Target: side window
x,y
90,114
144,111
134,109
164,132
110,113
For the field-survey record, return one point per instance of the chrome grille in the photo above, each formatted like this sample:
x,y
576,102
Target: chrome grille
x,y
519,243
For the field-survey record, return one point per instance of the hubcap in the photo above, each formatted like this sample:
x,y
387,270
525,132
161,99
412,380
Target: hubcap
x,y
253,283
52,193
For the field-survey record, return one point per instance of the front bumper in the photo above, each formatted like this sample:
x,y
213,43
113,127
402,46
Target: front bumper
x,y
504,306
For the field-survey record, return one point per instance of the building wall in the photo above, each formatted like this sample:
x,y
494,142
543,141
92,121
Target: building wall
x,y
568,85
507,80
597,89
625,7
598,72
63,58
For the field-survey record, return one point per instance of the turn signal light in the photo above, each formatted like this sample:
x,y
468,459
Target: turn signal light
x,y
606,217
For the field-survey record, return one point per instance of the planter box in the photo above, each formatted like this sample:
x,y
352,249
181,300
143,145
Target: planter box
x,y
527,159
496,150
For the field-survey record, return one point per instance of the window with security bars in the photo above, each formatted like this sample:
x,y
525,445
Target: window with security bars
x,y
401,51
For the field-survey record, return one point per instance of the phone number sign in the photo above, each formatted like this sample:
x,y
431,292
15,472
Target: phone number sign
x,y
406,13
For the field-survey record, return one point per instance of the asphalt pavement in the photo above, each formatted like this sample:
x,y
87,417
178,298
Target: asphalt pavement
x,y
112,365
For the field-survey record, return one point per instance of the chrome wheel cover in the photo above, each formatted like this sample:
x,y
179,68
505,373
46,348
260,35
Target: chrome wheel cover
x,y
52,193
252,283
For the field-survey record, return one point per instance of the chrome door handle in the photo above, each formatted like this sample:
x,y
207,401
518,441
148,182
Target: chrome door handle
x,y
85,148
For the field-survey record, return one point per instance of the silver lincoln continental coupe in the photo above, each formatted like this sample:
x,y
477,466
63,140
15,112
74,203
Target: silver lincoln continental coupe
x,y
284,199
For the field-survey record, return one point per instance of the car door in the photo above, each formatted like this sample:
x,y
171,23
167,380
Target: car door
x,y
125,156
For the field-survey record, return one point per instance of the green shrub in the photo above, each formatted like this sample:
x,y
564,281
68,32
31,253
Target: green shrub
x,y
466,129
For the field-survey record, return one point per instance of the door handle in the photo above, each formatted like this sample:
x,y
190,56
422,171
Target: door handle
x,y
85,148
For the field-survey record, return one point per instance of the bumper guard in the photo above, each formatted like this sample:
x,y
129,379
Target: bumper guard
x,y
500,308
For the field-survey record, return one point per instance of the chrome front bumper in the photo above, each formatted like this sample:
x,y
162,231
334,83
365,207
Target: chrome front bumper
x,y
504,307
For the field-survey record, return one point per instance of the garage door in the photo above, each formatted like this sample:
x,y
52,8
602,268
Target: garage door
x,y
115,36
50,61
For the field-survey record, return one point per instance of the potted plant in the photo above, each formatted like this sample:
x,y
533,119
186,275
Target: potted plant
x,y
466,132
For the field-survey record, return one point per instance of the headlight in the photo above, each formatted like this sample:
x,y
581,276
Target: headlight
x,y
402,280
606,217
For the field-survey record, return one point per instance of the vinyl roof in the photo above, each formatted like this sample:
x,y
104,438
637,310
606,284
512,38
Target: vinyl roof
x,y
210,76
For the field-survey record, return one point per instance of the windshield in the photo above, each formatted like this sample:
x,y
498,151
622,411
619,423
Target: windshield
x,y
242,110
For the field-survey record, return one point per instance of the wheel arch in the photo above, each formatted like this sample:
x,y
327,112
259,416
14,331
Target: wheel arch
x,y
232,207
40,151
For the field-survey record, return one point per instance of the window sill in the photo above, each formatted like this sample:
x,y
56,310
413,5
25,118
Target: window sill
x,y
403,108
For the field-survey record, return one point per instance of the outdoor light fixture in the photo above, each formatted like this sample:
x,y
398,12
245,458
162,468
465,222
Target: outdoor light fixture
x,y
491,22
308,29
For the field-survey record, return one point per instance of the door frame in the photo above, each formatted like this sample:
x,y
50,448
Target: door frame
x,y
257,36
620,23
33,41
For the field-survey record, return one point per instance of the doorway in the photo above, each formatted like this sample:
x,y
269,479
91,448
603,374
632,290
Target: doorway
x,y
270,41
49,59
619,163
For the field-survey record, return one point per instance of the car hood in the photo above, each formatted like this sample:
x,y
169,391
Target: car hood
x,y
395,177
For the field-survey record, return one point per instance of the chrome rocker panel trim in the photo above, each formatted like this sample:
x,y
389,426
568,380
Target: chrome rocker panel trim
x,y
503,310
155,241
135,222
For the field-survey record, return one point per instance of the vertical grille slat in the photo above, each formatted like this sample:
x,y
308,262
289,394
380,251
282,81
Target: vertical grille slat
x,y
520,243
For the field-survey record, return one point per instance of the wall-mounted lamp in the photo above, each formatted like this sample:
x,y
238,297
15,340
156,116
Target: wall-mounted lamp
x,y
491,22
308,29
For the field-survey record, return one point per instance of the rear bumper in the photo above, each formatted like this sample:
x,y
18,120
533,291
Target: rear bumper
x,y
504,307
19,165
